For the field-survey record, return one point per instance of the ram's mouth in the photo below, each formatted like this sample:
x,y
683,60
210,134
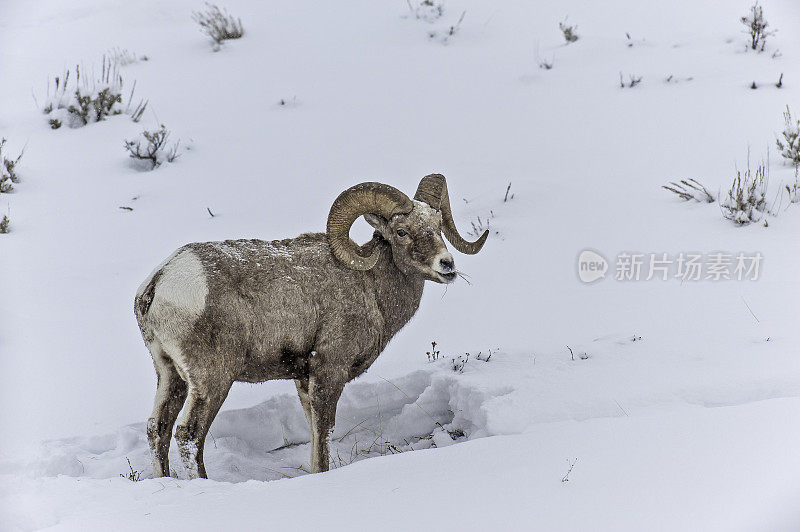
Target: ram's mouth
x,y
448,277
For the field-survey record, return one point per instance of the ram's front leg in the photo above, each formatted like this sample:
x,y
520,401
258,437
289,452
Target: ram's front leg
x,y
323,395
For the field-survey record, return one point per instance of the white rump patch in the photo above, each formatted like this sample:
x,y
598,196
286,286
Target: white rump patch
x,y
146,282
179,299
183,283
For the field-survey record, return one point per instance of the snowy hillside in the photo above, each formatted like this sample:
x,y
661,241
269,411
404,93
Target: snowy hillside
x,y
631,402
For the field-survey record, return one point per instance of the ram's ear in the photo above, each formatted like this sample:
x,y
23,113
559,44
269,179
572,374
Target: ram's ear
x,y
376,221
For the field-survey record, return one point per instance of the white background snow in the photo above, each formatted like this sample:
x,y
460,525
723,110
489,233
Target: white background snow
x,y
695,426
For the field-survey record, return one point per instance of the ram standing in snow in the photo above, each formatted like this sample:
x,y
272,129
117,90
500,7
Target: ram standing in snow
x,y
318,309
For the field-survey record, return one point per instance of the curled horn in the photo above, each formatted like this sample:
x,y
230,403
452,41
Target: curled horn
x,y
364,198
432,190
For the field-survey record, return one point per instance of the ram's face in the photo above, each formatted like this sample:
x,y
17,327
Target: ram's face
x,y
417,244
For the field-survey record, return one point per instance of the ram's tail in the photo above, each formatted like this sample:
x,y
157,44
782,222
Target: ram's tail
x,y
144,296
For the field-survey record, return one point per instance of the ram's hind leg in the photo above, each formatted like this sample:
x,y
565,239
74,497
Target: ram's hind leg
x,y
170,396
201,408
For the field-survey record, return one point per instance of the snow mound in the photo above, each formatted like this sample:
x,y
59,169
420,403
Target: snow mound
x,y
449,400
432,407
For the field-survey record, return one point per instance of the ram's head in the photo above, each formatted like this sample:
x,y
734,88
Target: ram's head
x,y
413,228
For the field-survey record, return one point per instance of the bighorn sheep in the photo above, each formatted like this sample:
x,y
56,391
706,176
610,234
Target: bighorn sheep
x,y
318,309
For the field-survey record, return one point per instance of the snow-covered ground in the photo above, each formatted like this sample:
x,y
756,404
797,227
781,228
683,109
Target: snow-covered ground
x,y
678,406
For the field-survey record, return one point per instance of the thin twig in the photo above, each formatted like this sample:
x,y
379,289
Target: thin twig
x,y
464,276
278,472
354,427
751,310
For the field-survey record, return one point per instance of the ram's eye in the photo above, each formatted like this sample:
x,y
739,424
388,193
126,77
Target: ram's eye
x,y
401,233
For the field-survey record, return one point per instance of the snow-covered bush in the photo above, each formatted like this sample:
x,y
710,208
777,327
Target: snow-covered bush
x,y
79,99
631,83
428,10
458,363
287,103
757,27
8,173
4,223
484,223
690,189
484,358
133,475
155,149
569,32
746,200
124,57
445,36
480,225
506,198
582,354
794,188
433,354
789,147
218,24
672,78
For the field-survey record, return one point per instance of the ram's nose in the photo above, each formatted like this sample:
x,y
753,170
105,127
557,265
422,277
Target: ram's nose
x,y
446,265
